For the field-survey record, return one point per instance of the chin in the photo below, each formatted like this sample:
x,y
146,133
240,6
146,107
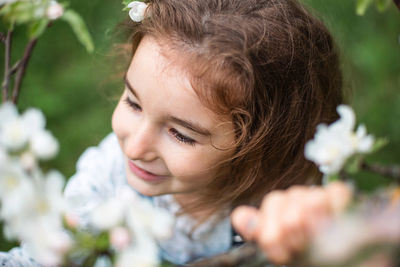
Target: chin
x,y
144,188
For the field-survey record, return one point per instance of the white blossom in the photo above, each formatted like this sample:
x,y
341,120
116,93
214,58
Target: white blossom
x,y
135,224
34,120
137,10
334,144
8,111
143,255
108,214
363,142
54,11
44,235
46,242
32,204
143,215
14,134
3,156
44,145
16,190
53,185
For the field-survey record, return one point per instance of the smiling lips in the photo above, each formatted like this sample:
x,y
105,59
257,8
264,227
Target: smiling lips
x,y
143,174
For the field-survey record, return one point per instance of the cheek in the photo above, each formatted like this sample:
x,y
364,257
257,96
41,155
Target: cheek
x,y
117,121
194,164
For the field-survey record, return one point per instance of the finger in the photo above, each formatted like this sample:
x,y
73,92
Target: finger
x,y
317,210
269,226
278,254
293,221
271,234
244,220
339,196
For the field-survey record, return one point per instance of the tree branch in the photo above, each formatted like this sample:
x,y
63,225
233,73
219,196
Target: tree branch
x,y
21,69
388,171
7,60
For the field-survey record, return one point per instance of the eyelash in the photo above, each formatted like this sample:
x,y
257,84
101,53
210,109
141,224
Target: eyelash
x,y
178,136
132,104
181,138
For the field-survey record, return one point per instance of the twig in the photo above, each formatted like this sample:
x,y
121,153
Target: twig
x,y
7,60
2,37
388,171
21,70
15,67
248,253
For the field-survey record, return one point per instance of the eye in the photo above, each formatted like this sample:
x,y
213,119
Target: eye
x,y
182,138
132,104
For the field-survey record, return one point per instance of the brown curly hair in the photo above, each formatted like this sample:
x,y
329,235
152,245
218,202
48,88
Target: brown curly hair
x,y
271,66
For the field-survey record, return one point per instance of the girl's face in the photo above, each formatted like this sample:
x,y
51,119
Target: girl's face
x,y
170,140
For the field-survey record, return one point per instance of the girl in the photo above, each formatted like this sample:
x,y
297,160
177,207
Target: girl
x,y
219,100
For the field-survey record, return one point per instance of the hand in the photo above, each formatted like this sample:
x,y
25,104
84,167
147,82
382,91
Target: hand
x,y
286,220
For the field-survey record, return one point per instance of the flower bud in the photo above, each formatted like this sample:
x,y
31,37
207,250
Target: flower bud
x,y
54,11
28,161
71,219
120,237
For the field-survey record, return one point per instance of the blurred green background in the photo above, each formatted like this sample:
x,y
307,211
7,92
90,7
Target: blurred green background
x,y
77,91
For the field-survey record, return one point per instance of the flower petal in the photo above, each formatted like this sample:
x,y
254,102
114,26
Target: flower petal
x,y
137,10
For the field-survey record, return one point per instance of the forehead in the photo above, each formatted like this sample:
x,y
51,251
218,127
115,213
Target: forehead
x,y
162,64
158,76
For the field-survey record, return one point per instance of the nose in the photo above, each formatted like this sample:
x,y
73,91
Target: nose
x,y
141,144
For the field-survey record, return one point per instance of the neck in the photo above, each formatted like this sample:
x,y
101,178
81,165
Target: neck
x,y
186,201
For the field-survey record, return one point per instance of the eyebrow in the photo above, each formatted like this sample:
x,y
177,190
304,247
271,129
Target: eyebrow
x,y
189,125
130,87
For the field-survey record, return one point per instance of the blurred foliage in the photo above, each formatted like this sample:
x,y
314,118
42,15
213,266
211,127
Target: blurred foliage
x,y
70,85
363,5
77,91
370,53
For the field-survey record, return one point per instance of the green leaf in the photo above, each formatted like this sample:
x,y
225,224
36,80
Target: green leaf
x,y
37,28
126,2
79,27
382,5
90,261
18,12
379,144
362,6
353,164
328,178
103,241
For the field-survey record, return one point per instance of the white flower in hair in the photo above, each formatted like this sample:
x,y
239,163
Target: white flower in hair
x,y
137,10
